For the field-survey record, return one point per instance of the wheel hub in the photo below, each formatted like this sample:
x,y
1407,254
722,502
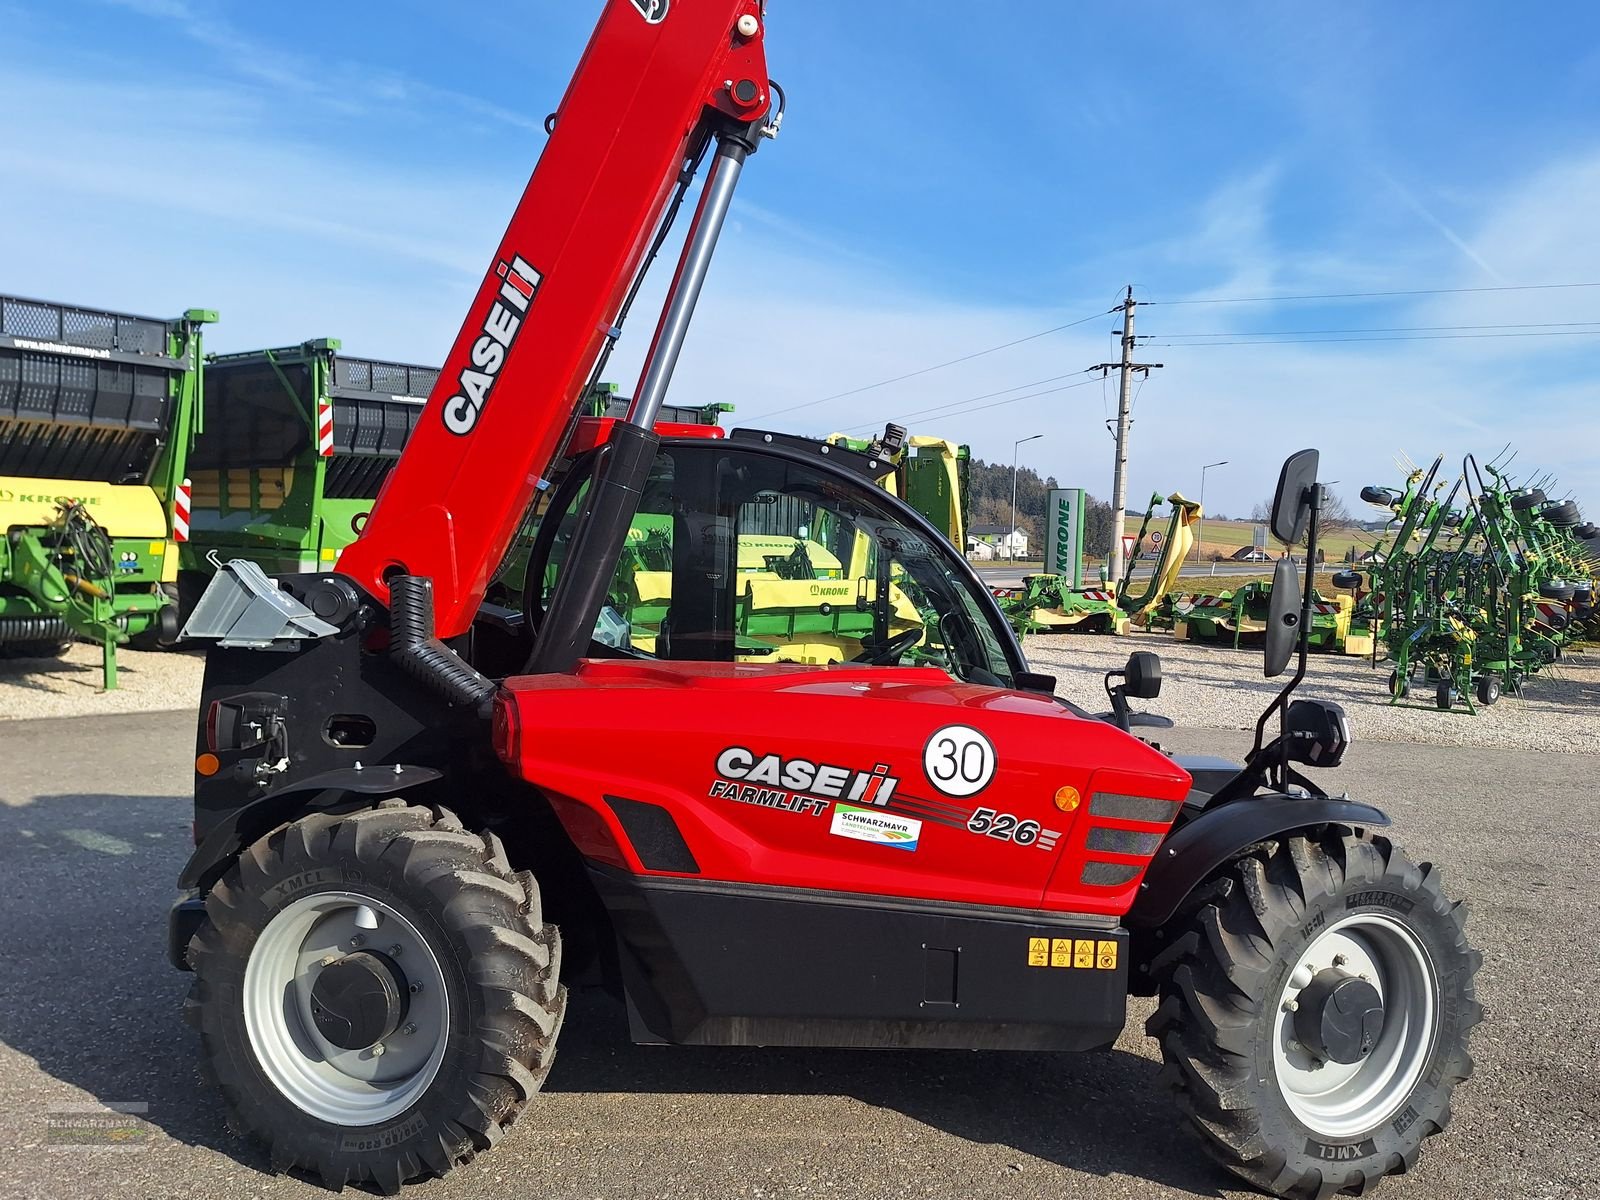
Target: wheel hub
x,y
1347,1056
1339,1017
334,1023
359,1000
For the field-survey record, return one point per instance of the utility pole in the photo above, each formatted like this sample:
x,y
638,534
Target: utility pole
x,y
1119,479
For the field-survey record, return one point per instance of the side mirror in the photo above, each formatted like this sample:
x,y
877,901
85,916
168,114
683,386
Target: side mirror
x,y
1291,503
1283,616
1142,676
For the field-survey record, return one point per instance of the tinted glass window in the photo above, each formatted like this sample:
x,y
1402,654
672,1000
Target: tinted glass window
x,y
739,556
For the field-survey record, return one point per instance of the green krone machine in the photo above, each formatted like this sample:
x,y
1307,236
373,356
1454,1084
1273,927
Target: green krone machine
x,y
294,445
1058,601
98,411
931,474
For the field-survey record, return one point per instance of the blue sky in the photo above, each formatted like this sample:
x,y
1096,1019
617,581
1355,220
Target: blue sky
x,y
950,177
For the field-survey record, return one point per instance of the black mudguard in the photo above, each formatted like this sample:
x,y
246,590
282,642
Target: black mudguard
x,y
1221,834
325,791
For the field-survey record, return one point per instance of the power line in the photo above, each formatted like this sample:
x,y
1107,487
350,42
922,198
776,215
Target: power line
x,y
1067,387
1001,392
1378,329
1523,287
1032,337
1423,337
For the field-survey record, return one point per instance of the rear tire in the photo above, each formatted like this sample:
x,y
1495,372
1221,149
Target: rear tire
x,y
1237,959
1398,687
162,633
449,919
1488,690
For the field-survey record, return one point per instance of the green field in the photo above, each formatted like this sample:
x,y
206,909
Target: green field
x,y
1224,537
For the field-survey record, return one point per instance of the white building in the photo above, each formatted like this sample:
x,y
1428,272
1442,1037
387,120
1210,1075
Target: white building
x,y
988,542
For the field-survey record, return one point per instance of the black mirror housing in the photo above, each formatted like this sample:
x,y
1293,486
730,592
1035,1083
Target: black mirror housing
x,y
1142,675
1291,503
1283,618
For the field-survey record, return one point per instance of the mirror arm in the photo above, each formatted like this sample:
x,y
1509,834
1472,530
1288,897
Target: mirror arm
x,y
1119,702
1305,622
1280,703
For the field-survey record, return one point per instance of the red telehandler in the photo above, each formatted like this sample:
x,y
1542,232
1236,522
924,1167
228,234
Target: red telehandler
x,y
420,819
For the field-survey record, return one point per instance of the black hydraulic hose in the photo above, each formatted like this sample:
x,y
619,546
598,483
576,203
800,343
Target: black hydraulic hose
x,y
423,656
597,541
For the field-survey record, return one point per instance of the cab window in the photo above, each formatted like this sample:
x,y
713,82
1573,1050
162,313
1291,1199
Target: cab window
x,y
745,557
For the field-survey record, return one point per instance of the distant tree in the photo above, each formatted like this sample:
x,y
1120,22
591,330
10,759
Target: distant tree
x,y
1097,524
989,500
1336,513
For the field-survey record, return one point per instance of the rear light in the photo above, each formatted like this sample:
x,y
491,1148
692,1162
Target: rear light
x,y
505,728
245,721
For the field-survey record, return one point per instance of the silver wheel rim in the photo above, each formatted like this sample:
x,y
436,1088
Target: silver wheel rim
x,y
342,1087
1339,1100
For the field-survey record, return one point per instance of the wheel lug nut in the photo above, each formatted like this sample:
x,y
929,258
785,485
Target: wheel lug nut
x,y
1339,960
1291,1006
377,1050
410,1028
415,988
357,940
328,962
394,951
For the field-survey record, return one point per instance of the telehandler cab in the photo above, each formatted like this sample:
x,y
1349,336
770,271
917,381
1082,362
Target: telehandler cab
x,y
413,838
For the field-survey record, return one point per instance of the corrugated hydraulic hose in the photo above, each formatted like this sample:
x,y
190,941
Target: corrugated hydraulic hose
x,y
425,657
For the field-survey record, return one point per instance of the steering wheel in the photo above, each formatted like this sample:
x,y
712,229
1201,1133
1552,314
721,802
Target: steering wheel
x,y
884,655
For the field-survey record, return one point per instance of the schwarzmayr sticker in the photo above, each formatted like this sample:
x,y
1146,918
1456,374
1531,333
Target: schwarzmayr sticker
x,y
875,825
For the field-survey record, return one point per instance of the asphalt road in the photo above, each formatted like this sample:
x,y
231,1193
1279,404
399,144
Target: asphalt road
x,y
96,827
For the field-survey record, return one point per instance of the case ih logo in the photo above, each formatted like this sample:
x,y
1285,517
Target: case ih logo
x,y
654,11
796,784
519,284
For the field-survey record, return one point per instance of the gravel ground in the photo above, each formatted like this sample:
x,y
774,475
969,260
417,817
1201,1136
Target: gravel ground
x,y
90,1014
1214,687
1204,687
70,686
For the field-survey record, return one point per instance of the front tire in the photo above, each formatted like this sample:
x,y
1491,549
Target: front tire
x,y
415,910
1275,931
